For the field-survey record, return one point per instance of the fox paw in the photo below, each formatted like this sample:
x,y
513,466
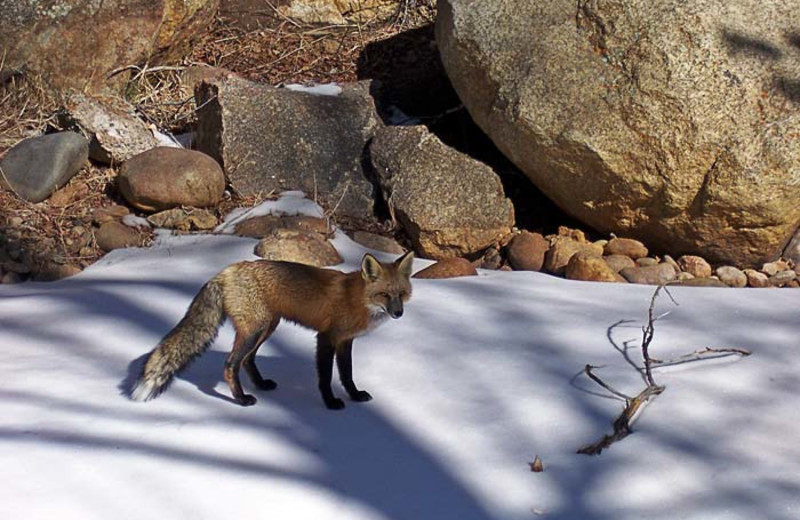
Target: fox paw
x,y
267,384
361,396
247,400
334,404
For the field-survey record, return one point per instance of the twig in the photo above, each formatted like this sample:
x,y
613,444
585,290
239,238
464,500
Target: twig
x,y
588,371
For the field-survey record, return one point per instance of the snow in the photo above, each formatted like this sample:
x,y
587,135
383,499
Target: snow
x,y
478,377
325,89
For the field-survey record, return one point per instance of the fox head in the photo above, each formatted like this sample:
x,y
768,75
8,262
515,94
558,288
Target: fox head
x,y
388,285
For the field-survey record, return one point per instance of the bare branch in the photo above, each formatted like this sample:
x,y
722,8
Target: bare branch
x,y
588,371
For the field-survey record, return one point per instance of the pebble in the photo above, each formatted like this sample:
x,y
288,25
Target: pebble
x,y
650,274
696,265
732,276
626,246
756,279
527,251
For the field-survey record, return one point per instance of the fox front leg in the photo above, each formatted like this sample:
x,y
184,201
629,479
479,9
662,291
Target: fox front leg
x,y
344,362
325,354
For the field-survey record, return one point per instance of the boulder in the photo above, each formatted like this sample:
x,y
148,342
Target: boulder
x,y
116,133
449,204
792,249
651,275
591,268
76,44
671,121
378,242
448,268
731,276
526,251
305,247
625,246
36,167
164,177
562,248
276,139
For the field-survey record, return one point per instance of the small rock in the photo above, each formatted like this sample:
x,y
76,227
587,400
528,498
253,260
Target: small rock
x,y
683,276
756,279
116,235
164,177
646,260
699,282
782,278
591,268
732,276
378,242
526,251
575,234
626,246
36,167
117,134
182,220
303,247
561,250
695,265
264,225
671,261
448,268
619,262
650,274
491,259
55,271
102,215
773,268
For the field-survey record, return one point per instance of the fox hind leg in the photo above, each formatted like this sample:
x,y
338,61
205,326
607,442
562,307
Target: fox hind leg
x,y
344,363
249,361
242,344
325,354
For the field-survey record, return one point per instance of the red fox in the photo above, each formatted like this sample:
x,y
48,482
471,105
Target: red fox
x,y
255,296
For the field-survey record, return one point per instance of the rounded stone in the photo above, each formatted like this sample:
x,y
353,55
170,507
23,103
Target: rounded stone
x,y
448,268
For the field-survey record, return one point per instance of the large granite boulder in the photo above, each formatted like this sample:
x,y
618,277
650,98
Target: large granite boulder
x,y
669,121
76,44
448,203
275,139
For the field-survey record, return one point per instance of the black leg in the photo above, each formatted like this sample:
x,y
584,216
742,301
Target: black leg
x,y
325,352
250,360
241,346
344,362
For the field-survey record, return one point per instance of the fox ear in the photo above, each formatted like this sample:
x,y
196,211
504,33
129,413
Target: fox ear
x,y
371,269
405,263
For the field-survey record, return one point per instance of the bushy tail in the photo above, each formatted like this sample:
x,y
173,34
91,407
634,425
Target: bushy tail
x,y
190,338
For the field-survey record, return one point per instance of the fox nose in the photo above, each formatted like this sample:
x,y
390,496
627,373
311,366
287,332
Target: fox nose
x,y
395,308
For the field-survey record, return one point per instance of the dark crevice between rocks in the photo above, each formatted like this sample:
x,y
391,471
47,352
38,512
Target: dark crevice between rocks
x,y
412,80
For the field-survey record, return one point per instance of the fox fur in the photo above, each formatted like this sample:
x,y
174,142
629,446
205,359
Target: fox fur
x,y
257,295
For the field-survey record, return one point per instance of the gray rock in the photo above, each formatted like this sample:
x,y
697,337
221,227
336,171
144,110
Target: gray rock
x,y
651,274
274,139
36,167
731,276
667,120
619,262
304,247
450,204
526,251
116,133
163,178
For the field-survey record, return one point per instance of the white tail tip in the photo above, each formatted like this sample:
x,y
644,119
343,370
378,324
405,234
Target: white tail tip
x,y
144,390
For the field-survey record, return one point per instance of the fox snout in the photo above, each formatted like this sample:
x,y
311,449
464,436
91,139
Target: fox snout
x,y
395,308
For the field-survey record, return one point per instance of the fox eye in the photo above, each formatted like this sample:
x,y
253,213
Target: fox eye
x,y
383,295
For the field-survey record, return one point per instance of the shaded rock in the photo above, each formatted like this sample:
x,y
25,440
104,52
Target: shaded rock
x,y
561,250
683,276
11,278
651,274
183,220
109,213
163,178
448,268
591,268
671,261
304,141
731,276
699,282
695,265
450,204
378,242
773,268
782,278
16,267
53,272
526,251
792,250
677,126
304,247
116,235
645,261
36,167
264,225
76,44
116,132
491,259
619,262
756,279
576,235
625,246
